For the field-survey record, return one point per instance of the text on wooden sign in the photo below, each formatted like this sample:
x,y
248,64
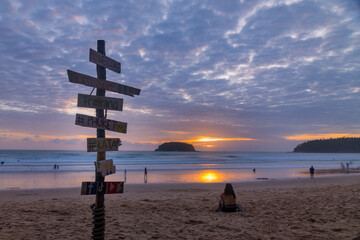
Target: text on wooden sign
x,y
103,144
104,61
87,80
98,102
100,123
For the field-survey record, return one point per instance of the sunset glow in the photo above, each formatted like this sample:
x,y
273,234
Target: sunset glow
x,y
305,137
210,139
252,84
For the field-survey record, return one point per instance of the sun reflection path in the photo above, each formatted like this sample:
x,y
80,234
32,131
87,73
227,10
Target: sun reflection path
x,y
209,177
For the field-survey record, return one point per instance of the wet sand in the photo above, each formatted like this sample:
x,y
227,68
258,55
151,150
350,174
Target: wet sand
x,y
305,208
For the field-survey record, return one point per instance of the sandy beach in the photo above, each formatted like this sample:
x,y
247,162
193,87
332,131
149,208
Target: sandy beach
x,y
318,208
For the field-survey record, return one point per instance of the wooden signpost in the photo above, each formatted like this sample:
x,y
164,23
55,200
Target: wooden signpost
x,y
100,144
103,144
107,103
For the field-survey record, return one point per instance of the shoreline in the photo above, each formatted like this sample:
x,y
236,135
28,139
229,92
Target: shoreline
x,y
63,179
305,208
16,194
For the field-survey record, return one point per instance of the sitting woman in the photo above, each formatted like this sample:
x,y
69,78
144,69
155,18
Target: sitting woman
x,y
227,201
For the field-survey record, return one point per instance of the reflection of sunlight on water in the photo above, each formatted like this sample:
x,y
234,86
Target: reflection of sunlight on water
x,y
74,179
209,177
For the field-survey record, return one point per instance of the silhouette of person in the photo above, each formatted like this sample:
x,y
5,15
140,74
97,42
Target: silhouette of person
x,y
145,175
312,171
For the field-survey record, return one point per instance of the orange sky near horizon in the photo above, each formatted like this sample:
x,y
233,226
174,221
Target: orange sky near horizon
x,y
205,142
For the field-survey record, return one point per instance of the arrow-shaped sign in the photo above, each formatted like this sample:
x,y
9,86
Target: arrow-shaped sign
x,y
87,80
104,61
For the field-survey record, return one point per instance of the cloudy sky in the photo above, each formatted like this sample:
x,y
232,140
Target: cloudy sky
x,y
222,75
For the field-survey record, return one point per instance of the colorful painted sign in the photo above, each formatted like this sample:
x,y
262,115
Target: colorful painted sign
x,y
90,101
103,144
89,188
86,80
100,123
104,61
105,167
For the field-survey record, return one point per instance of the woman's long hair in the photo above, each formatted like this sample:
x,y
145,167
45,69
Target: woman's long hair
x,y
229,190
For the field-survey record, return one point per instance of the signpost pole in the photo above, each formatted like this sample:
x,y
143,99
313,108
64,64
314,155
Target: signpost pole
x,y
99,211
100,144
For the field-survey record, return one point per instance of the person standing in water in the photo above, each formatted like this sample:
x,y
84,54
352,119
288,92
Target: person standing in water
x,y
145,175
312,171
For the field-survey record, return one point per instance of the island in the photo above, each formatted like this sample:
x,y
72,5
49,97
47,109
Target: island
x,y
332,145
176,147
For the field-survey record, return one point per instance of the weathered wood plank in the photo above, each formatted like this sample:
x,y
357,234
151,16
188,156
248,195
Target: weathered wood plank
x,y
87,80
103,144
104,61
105,167
90,101
100,123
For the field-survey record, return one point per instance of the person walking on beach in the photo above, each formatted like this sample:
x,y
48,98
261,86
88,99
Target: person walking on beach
x,y
227,201
125,175
312,171
145,175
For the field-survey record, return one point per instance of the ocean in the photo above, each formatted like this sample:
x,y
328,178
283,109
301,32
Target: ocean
x,y
23,169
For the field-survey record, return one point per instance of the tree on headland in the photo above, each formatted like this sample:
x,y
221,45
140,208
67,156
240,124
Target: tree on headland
x,y
332,145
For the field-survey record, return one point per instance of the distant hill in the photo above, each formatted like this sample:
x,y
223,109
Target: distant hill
x,y
176,147
333,145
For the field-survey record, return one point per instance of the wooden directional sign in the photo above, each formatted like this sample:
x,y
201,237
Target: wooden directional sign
x,y
104,61
86,80
100,123
103,144
89,188
90,101
105,167
114,187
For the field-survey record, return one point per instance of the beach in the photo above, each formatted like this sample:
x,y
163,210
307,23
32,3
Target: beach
x,y
297,208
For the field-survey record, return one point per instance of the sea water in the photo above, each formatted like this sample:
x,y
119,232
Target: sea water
x,y
35,168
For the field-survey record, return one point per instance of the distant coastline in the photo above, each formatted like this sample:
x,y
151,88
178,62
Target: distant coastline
x,y
333,145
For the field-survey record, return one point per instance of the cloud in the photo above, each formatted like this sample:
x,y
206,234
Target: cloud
x,y
255,69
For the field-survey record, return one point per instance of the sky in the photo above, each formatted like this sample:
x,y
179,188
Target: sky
x,y
221,75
